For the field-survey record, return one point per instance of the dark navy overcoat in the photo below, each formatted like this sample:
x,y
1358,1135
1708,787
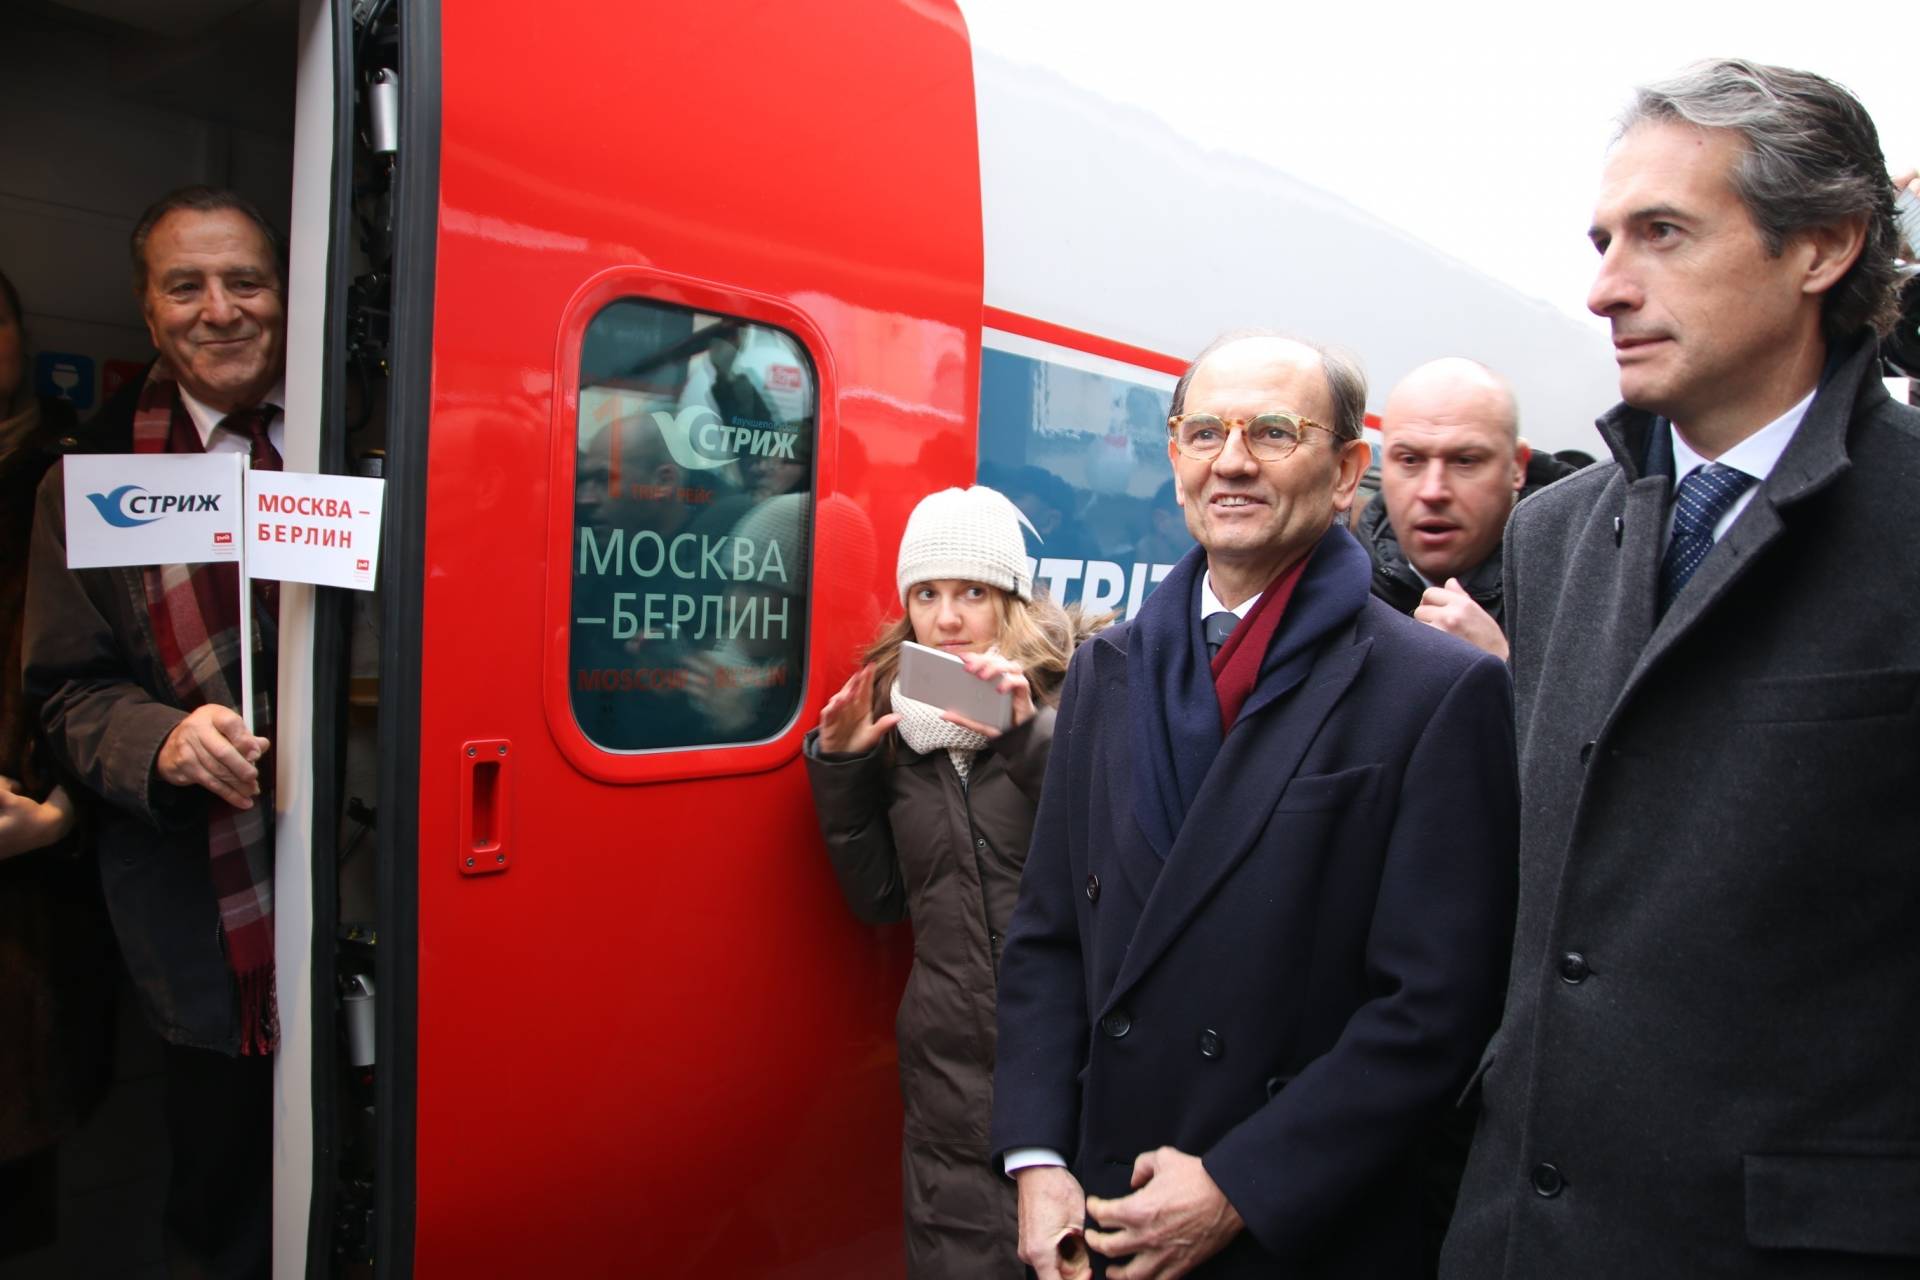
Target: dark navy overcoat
x,y
1306,981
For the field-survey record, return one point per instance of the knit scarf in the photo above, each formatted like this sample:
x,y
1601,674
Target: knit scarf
x,y
1174,712
194,611
924,730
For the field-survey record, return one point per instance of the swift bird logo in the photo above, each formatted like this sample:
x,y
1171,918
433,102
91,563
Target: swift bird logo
x,y
678,433
112,507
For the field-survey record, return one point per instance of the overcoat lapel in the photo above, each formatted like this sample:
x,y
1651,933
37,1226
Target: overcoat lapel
x,y
1619,551
1758,526
1133,848
1636,586
1267,741
1814,459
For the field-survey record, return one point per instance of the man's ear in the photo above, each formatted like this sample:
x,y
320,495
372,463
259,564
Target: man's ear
x,y
1522,455
1831,252
1353,459
1173,460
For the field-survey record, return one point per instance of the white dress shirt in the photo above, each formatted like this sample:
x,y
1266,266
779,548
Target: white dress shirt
x,y
1210,603
1018,1158
206,421
1757,455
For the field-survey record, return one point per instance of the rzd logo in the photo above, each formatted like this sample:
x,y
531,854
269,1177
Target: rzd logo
x,y
130,506
699,441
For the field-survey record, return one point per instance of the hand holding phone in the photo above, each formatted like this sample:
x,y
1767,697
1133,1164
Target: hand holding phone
x,y
976,690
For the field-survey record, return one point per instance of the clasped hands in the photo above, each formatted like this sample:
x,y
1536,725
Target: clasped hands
x,y
1176,1218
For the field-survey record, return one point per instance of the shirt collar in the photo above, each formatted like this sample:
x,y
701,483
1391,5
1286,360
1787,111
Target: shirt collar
x,y
206,417
1757,455
1210,603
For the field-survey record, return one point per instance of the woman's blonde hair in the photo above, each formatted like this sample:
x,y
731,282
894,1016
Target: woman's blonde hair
x,y
1037,634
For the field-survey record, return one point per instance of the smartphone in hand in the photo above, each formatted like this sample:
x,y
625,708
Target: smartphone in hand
x,y
939,679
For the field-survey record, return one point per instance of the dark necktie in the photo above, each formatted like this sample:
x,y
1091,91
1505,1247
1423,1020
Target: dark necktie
x,y
261,456
1217,627
1703,497
253,424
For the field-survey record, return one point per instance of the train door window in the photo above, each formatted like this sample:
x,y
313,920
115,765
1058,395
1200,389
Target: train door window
x,y
693,487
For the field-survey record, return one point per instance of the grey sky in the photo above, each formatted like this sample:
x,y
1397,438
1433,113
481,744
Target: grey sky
x,y
1479,128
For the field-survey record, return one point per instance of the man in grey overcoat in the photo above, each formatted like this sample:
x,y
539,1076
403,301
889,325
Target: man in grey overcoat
x,y
1709,1063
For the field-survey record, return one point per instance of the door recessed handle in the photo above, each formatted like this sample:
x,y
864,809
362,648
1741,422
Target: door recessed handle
x,y
486,806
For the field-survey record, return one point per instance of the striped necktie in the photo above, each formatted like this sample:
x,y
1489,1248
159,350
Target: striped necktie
x,y
1703,497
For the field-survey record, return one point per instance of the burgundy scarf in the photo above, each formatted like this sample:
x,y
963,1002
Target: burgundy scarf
x,y
194,611
1237,665
1178,708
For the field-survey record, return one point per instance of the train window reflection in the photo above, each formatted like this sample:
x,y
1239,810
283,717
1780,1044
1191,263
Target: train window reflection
x,y
692,528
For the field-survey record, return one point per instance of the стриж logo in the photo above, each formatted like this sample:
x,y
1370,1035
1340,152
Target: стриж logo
x,y
694,434
131,506
112,508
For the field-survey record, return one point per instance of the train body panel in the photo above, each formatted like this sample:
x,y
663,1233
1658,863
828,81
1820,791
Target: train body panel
x,y
1101,218
656,1039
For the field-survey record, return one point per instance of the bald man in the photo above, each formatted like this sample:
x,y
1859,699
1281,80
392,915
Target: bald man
x,y
1452,466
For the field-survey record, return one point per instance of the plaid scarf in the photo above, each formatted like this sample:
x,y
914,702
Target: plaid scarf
x,y
194,611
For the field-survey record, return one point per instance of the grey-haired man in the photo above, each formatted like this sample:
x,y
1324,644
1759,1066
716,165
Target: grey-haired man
x,y
1706,1066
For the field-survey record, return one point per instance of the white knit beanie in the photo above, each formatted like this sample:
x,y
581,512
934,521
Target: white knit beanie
x,y
970,534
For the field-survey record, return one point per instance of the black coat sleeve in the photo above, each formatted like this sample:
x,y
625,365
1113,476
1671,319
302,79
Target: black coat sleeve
x,y
102,726
1024,749
851,800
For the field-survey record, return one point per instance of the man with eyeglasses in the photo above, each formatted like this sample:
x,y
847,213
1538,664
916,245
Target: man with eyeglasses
x,y
1262,933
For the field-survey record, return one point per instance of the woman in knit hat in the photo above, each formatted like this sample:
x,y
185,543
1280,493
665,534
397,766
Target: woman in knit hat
x,y
926,816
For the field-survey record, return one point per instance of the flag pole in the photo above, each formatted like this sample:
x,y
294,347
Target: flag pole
x,y
246,608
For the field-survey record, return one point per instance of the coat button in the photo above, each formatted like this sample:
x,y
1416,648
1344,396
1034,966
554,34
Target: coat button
x,y
1586,752
1574,968
1211,1045
1116,1024
1547,1181
1093,888
980,843
1276,1083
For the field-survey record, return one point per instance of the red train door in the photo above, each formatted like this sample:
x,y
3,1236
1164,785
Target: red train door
x,y
706,293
